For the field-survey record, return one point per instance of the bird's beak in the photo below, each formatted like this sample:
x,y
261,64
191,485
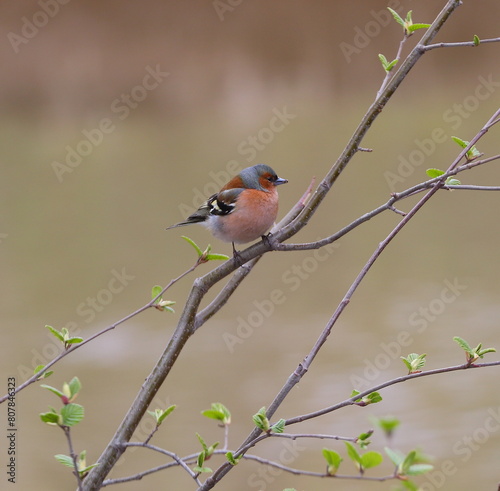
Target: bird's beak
x,y
280,181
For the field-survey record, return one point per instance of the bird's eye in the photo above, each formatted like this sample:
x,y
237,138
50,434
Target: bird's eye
x,y
271,178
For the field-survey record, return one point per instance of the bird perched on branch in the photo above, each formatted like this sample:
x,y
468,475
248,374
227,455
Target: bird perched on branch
x,y
244,209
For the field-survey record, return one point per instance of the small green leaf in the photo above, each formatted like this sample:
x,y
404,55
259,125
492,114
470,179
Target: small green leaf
x,y
414,362
56,333
371,459
383,60
407,462
260,419
161,414
353,454
391,65
363,441
46,374
387,424
433,173
278,427
65,460
473,153
388,66
463,344
217,257
230,458
414,27
192,242
53,389
333,460
72,414
165,413
481,353
397,17
211,449
51,418
203,444
452,181
73,340
218,412
395,455
372,398
155,291
201,459
476,40
74,387
417,469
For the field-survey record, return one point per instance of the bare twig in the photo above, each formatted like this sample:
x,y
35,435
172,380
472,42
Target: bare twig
x,y
461,44
74,457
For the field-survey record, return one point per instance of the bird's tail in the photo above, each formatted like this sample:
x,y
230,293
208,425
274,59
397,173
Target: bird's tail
x,y
198,216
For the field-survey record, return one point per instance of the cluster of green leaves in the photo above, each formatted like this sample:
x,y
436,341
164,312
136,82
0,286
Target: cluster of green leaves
x,y
262,422
450,180
219,412
372,398
69,415
64,336
81,462
204,455
409,28
159,303
472,154
206,255
387,424
160,414
414,362
472,354
411,464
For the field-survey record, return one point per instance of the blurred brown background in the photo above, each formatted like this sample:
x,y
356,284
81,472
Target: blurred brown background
x,y
173,96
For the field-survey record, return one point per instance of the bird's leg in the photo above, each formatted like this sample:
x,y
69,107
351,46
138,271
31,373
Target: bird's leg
x,y
237,255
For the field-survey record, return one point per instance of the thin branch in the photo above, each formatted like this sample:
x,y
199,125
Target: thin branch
x,y
472,187
461,44
74,457
376,388
189,459
178,460
390,73
321,436
418,188
74,347
299,472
